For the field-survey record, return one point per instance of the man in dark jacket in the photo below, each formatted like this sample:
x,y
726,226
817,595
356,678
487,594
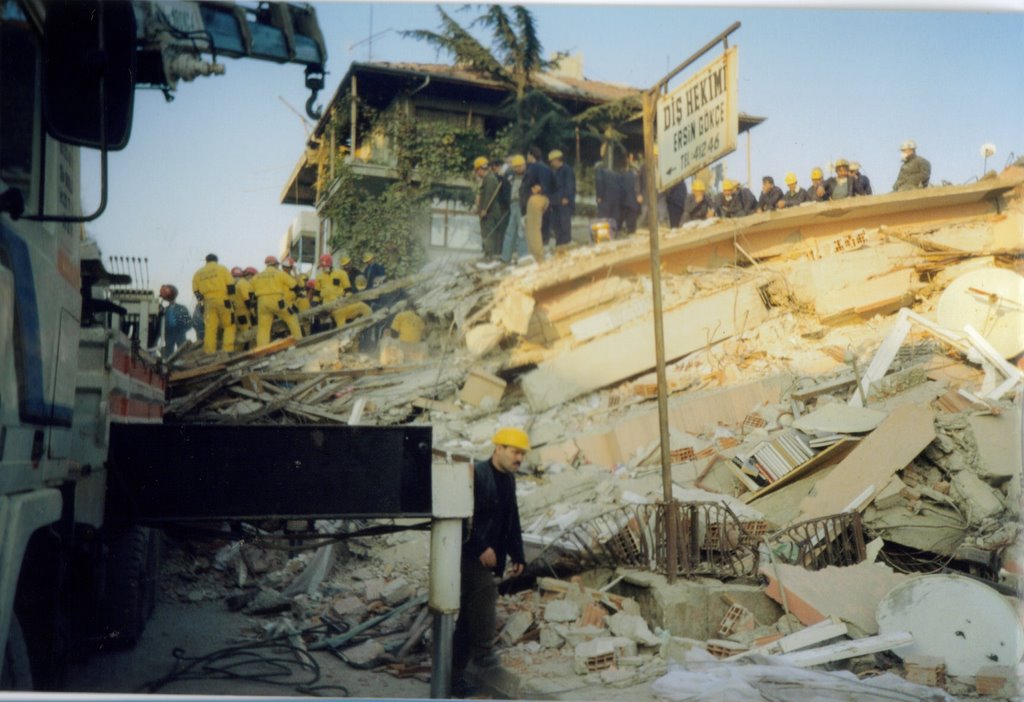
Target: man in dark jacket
x,y
495,535
631,192
817,190
861,183
493,216
770,195
795,195
539,180
563,200
735,201
915,171
698,204
841,185
609,201
675,201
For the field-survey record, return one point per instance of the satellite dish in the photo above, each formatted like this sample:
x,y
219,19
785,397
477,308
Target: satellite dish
x,y
992,301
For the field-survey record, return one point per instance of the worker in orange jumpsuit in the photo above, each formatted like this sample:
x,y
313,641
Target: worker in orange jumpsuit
x,y
270,286
214,287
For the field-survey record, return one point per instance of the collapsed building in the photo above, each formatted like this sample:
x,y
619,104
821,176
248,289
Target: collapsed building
x,y
845,423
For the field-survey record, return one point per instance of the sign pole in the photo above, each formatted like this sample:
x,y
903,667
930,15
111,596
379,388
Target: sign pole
x,y
649,100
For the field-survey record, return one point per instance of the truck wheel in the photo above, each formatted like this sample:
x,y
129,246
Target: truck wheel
x,y
17,670
123,612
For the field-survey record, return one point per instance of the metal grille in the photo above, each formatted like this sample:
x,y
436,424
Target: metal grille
x,y
837,540
710,540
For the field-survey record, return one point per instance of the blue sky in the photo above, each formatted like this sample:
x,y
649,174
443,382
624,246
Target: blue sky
x,y
204,173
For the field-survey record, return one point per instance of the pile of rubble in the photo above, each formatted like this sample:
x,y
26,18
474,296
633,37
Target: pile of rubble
x,y
843,419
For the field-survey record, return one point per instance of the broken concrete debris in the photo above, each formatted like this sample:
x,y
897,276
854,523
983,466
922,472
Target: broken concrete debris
x,y
817,402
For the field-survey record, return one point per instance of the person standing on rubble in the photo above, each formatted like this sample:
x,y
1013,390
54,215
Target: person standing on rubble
x,y
735,201
698,204
374,272
270,286
214,287
915,171
794,195
609,200
841,185
535,199
514,244
177,321
244,319
563,201
771,195
861,183
631,192
675,202
818,192
488,207
495,535
330,284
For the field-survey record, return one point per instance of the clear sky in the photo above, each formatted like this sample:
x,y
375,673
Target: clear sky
x,y
205,172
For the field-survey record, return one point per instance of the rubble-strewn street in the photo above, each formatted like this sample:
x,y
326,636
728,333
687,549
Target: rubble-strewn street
x,y
845,422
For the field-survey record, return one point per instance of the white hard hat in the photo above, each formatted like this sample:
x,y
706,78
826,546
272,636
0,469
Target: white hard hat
x,y
908,144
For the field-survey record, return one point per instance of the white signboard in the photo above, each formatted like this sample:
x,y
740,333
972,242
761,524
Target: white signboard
x,y
698,122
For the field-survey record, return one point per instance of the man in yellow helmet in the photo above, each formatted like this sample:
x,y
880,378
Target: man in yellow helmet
x,y
494,536
794,195
270,286
490,207
817,192
698,204
214,287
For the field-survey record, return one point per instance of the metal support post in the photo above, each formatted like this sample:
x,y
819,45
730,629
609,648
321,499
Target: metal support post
x,y
452,489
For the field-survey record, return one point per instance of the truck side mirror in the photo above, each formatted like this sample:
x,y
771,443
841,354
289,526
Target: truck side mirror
x,y
88,72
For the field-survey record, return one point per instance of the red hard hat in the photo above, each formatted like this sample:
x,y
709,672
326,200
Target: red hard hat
x,y
311,284
236,272
288,263
326,260
271,260
249,270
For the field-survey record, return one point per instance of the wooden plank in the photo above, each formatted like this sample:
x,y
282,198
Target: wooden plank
x,y
630,350
889,448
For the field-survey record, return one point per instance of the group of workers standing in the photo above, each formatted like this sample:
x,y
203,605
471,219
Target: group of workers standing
x,y
237,300
524,204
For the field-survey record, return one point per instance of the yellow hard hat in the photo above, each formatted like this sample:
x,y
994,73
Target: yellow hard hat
x,y
698,186
344,260
555,154
512,436
790,178
842,162
816,174
367,257
360,282
728,184
516,160
480,162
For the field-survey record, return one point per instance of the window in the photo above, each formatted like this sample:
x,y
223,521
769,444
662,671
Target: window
x,y
454,227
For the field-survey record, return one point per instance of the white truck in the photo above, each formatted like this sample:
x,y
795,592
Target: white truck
x,y
73,565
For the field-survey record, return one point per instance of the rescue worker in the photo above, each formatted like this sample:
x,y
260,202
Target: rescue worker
x,y
214,287
698,205
514,244
534,201
351,270
861,183
841,185
291,298
270,286
177,320
374,271
563,199
771,195
489,208
817,192
331,284
794,195
915,171
408,325
244,302
735,200
675,202
494,536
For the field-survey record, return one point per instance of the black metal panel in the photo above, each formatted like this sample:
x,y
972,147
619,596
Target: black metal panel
x,y
203,472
